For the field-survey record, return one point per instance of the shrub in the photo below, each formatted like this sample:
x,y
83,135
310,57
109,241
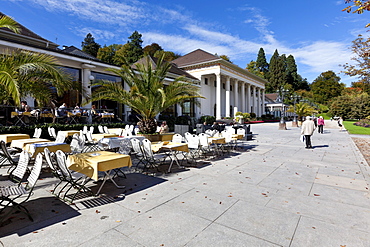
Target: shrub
x,y
207,119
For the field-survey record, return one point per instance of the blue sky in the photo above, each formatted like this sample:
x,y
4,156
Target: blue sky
x,y
316,32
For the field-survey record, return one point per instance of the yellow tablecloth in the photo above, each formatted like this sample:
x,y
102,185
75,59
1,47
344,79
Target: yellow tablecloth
x,y
116,131
182,147
10,137
13,114
218,140
44,115
239,137
21,143
91,163
36,148
97,137
69,132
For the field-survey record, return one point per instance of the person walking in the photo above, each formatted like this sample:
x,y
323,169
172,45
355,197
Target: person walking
x,y
308,127
340,124
320,124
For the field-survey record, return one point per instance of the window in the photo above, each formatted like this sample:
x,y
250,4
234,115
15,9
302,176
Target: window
x,y
206,81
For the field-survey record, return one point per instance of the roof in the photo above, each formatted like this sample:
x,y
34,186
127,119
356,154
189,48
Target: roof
x,y
194,57
174,69
75,51
272,97
25,35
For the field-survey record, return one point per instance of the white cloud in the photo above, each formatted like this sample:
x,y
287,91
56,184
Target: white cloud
x,y
98,34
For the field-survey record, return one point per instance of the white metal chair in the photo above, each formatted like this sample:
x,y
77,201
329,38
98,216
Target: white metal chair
x,y
11,196
72,179
37,133
150,158
17,174
100,129
138,151
105,128
177,138
205,146
193,146
60,138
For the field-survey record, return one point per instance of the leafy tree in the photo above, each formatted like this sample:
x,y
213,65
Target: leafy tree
x,y
225,57
135,50
358,7
107,54
152,49
148,95
25,73
361,69
167,55
253,68
349,105
262,64
90,46
7,22
326,86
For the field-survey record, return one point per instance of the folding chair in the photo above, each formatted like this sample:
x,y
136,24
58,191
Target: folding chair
x,y
37,133
12,196
151,159
193,146
73,179
105,128
100,129
138,151
7,156
60,138
177,138
205,146
17,174
90,144
50,160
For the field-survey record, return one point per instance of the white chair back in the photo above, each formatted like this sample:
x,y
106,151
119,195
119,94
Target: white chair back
x,y
136,130
84,130
147,148
92,129
60,137
21,168
177,138
105,128
75,144
203,140
136,146
100,129
193,141
241,131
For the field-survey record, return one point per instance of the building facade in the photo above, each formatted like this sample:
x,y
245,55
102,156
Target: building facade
x,y
226,87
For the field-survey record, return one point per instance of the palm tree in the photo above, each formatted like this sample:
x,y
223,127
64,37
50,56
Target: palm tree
x,y
6,21
302,109
26,73
148,95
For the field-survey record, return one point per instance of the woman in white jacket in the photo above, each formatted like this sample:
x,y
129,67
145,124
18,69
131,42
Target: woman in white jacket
x,y
308,127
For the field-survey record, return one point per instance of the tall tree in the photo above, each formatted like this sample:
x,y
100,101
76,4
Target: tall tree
x,y
152,49
148,95
225,57
326,86
261,61
291,71
135,51
277,73
90,46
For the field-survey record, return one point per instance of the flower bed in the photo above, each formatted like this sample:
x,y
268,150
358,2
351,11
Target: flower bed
x,y
363,123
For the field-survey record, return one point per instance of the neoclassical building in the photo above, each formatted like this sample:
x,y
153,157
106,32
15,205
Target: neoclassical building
x,y
226,87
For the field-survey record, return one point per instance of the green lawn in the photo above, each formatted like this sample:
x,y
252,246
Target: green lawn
x,y
353,129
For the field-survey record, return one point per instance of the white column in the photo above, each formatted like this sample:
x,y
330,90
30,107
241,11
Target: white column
x,y
248,98
258,102
218,96
236,99
227,98
243,98
263,102
255,100
179,110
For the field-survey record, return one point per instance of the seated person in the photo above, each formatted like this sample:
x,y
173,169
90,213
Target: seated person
x,y
95,114
62,110
25,107
164,128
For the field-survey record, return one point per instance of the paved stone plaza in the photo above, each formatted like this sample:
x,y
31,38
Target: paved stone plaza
x,y
273,193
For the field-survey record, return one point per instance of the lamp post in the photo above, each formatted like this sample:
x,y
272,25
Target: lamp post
x,y
282,124
295,98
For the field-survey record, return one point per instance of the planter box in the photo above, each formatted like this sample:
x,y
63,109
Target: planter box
x,y
181,129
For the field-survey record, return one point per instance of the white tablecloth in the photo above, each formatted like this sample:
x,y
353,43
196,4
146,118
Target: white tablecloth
x,y
114,142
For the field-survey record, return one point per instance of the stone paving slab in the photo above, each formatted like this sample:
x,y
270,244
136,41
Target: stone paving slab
x,y
271,192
